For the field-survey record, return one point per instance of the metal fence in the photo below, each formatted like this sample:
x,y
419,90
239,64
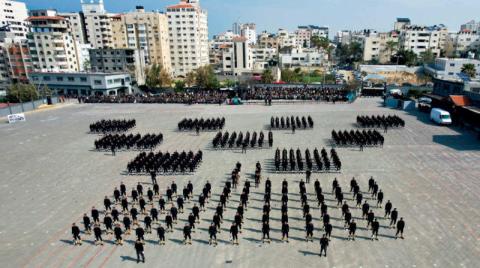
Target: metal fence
x,y
24,107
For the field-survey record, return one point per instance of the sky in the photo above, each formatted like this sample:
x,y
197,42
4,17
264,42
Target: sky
x,y
271,15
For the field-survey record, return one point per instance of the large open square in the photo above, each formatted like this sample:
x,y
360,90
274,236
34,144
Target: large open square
x,y
51,175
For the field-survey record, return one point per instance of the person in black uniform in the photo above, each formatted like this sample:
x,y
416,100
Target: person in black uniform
x,y
76,235
400,227
95,215
285,231
201,201
173,186
323,245
323,209
134,213
196,212
140,233
154,214
191,221
308,174
234,233
243,200
98,234
348,218
371,182
379,198
174,213
375,227
107,220
359,198
238,221
365,209
161,234
139,249
148,224
180,204
169,221
393,217
326,220
153,175
216,221
116,195
150,195
370,218
328,230
156,189
212,231
334,185
351,230
266,232
169,194
309,230
142,204
187,234
388,208
126,224
219,211
112,148
123,189
134,195
124,205
118,234
140,189
161,204
86,224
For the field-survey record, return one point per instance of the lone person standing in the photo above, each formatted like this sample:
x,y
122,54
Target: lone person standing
x,y
139,249
323,245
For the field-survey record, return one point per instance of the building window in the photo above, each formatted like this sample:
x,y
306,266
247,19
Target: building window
x,y
83,79
98,82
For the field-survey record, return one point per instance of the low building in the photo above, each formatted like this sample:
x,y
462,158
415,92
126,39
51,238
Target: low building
x,y
114,60
238,58
83,84
376,46
446,68
302,58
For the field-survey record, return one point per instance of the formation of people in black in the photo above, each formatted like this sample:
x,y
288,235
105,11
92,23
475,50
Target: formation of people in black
x,y
361,138
306,93
115,142
382,121
107,126
189,124
165,162
291,122
149,211
293,160
234,140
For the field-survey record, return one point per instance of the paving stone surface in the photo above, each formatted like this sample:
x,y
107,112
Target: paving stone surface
x,y
51,176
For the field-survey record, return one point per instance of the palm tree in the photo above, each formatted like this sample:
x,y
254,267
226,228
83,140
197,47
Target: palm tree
x,y
391,46
469,69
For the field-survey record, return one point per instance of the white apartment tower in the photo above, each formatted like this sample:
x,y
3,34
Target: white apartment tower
x,y
52,47
188,34
97,23
419,39
12,18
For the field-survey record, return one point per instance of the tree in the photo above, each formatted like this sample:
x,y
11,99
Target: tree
x,y
390,47
427,57
267,76
229,83
349,54
157,76
206,78
320,42
179,86
21,93
469,69
405,57
87,65
289,76
191,78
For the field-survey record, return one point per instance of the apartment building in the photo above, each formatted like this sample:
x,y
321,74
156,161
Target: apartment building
x,y
111,60
188,36
98,28
12,18
420,39
376,46
238,58
147,31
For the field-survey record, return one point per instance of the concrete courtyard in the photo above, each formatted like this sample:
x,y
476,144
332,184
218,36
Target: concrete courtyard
x,y
51,176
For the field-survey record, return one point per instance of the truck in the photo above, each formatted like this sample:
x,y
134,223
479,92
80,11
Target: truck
x,y
440,116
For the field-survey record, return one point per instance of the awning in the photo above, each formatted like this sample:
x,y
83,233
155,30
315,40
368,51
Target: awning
x,y
460,100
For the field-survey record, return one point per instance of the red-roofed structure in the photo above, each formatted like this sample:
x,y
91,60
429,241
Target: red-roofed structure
x,y
45,18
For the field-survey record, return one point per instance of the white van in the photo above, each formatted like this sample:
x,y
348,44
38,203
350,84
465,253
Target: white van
x,y
440,116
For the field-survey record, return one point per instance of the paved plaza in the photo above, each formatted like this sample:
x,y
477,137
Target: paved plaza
x,y
51,176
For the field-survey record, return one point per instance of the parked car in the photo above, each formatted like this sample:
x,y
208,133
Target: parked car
x,y
440,116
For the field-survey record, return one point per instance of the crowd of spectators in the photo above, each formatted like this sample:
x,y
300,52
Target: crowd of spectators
x,y
217,96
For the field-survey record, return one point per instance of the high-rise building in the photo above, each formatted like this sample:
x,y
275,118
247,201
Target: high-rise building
x,y
188,35
52,47
12,18
76,24
98,26
472,26
147,31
